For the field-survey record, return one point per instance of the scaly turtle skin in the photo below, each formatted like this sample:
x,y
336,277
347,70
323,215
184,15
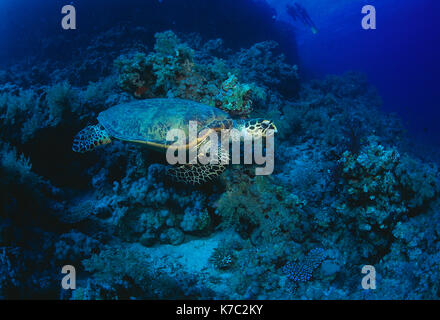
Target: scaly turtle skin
x,y
148,122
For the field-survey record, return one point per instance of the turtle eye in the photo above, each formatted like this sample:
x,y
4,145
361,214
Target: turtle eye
x,y
265,124
273,127
268,125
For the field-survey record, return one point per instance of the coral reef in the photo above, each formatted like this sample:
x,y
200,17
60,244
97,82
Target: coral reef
x,y
303,271
171,70
380,185
223,257
345,179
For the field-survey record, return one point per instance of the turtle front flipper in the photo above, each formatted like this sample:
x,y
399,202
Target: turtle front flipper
x,y
196,173
89,138
199,173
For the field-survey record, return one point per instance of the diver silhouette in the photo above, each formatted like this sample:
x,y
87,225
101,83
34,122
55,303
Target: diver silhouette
x,y
299,13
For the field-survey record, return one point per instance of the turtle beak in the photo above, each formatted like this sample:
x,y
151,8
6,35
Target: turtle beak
x,y
272,126
269,125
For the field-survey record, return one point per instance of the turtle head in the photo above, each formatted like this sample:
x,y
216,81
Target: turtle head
x,y
259,127
89,138
252,128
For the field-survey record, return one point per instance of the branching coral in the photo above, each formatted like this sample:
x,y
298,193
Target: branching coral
x,y
16,168
97,93
12,106
302,271
20,111
223,257
61,98
28,111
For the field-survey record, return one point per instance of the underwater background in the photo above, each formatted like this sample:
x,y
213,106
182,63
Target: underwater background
x,y
356,179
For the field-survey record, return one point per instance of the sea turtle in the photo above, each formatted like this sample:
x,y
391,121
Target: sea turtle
x,y
148,122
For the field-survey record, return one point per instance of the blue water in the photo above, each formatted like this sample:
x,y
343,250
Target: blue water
x,y
400,57
356,177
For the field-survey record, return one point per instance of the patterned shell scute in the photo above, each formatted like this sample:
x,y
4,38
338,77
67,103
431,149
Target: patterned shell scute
x,y
150,120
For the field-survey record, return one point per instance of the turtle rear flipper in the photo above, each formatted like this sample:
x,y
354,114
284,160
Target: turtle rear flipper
x,y
89,138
